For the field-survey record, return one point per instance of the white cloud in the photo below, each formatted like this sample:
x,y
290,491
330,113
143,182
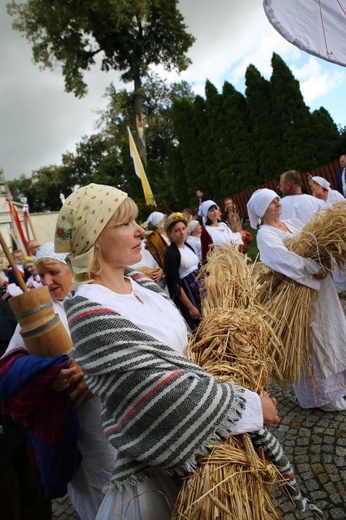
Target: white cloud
x,y
315,81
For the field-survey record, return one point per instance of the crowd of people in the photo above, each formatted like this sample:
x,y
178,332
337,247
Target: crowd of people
x,y
132,403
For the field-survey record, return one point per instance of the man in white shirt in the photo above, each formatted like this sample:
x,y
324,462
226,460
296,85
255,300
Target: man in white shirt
x,y
295,203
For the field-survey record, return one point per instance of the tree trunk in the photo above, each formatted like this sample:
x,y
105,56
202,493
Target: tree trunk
x,y
138,106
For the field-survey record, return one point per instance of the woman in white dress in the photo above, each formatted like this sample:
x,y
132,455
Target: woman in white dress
x,y
328,352
214,232
159,409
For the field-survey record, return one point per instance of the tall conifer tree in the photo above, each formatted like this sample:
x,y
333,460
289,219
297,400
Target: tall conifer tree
x,y
293,115
239,171
266,132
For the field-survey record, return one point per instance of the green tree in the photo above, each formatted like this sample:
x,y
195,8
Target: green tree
x,y
189,146
293,116
240,170
129,36
326,136
266,132
216,125
158,99
41,191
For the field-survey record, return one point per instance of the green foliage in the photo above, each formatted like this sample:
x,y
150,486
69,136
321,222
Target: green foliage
x,y
223,142
266,134
129,36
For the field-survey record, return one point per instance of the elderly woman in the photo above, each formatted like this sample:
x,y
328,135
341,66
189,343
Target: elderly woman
x,y
159,409
182,269
194,230
328,352
155,242
215,232
85,488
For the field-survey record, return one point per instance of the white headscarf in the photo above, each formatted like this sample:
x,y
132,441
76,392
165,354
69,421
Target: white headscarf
x,y
322,182
47,251
191,226
258,204
205,207
154,218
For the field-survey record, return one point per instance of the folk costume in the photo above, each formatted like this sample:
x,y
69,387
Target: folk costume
x,y
155,242
160,411
301,206
157,246
327,352
182,270
194,241
216,235
135,364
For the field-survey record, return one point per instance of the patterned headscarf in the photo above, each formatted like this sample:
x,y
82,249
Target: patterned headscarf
x,y
258,204
81,220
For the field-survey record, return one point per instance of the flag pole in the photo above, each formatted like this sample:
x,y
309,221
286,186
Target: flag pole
x,y
138,165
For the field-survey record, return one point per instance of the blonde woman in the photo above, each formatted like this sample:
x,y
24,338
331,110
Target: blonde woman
x,y
159,409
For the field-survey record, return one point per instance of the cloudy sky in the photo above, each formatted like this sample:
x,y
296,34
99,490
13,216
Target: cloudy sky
x,y
40,122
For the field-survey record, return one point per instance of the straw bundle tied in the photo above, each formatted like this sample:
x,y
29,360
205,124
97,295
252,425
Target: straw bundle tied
x,y
233,481
288,303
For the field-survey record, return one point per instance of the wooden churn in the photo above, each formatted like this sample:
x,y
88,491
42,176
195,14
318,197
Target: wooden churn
x,y
41,328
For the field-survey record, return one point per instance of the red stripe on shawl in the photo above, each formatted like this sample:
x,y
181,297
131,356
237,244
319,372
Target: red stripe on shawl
x,y
93,312
288,476
140,276
143,399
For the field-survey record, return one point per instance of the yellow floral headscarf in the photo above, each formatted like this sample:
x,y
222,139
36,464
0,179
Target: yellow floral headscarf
x,y
81,220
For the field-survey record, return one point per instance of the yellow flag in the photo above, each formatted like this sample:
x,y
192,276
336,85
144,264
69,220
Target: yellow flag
x,y
148,194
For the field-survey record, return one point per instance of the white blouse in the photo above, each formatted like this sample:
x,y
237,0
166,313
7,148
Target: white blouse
x,y
189,261
221,234
162,320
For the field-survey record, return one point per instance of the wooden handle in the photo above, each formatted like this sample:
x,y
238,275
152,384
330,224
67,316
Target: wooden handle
x,y
12,263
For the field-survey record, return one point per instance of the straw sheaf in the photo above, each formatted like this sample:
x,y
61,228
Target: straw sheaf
x,y
324,237
231,343
288,303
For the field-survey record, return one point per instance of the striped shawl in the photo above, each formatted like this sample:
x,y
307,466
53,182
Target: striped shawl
x,y
160,410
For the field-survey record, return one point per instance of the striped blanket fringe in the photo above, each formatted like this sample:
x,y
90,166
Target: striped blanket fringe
x,y
273,450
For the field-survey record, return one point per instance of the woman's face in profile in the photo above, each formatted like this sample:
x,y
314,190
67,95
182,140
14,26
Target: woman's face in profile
x,y
120,245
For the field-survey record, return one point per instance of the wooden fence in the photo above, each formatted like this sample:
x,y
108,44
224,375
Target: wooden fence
x,y
241,199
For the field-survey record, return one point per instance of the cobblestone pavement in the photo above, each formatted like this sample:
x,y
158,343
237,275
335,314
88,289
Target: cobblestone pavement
x,y
315,442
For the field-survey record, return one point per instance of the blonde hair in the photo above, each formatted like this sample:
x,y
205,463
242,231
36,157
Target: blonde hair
x,y
127,210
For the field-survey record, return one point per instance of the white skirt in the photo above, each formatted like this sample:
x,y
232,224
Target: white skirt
x,y
150,500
